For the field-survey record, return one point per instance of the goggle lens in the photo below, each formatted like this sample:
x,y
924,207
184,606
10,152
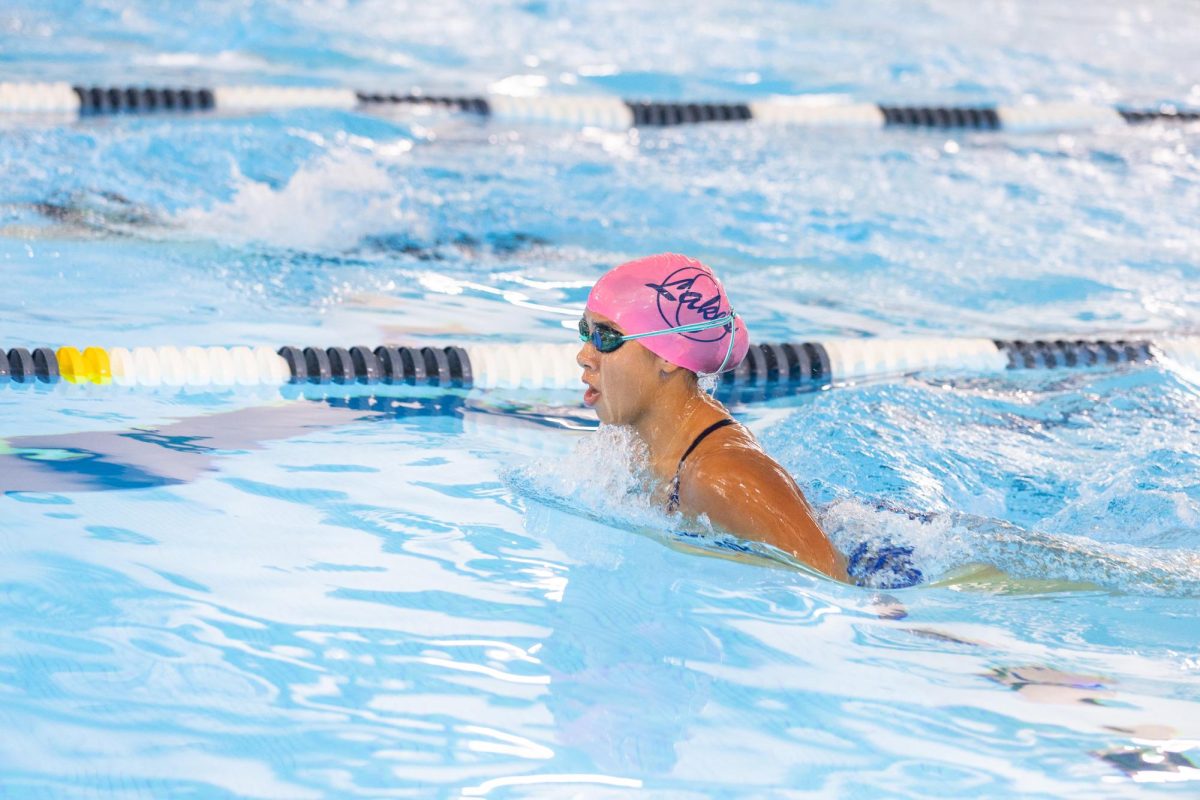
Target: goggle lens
x,y
602,337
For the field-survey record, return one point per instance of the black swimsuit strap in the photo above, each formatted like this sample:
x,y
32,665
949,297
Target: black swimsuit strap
x,y
716,426
673,498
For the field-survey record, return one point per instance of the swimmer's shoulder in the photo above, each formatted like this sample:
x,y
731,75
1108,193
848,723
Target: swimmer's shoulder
x,y
743,491
730,444
728,468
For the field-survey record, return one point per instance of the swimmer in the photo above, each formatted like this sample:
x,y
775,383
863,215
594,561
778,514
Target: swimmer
x,y
651,327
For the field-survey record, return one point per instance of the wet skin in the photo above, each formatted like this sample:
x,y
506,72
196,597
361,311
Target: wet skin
x,y
728,477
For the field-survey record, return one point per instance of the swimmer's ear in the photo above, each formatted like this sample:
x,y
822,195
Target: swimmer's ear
x,y
665,368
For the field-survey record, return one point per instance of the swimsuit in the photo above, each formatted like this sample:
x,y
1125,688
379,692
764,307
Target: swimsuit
x,y
673,501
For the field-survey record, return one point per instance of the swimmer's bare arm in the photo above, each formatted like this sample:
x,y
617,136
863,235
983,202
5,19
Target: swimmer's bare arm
x,y
745,492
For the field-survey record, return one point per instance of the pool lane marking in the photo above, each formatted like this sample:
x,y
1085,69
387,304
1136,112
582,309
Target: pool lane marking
x,y
61,98
783,367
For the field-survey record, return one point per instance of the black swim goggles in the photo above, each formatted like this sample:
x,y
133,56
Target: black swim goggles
x,y
607,339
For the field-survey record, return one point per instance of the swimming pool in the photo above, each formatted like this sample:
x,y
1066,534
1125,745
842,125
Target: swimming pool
x,y
226,593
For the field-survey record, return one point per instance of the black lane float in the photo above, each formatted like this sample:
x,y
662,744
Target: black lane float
x,y
73,101
786,367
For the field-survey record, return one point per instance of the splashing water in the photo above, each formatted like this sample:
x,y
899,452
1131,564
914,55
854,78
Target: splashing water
x,y
340,198
605,475
606,478
950,545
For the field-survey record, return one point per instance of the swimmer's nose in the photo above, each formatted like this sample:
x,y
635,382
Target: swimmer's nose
x,y
586,357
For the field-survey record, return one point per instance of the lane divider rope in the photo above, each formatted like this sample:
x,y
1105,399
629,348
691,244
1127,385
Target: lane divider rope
x,y
608,112
792,366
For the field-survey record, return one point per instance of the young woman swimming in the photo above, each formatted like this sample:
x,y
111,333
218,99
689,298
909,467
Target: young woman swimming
x,y
650,328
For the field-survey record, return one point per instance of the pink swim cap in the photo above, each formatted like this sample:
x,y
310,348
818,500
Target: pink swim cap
x,y
666,291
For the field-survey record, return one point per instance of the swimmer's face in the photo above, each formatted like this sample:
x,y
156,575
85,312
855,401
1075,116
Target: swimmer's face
x,y
621,384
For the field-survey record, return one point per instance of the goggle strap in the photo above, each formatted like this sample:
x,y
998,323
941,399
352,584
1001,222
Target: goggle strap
x,y
724,319
732,337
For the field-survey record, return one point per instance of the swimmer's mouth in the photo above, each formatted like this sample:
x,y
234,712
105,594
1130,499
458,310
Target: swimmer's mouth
x,y
590,395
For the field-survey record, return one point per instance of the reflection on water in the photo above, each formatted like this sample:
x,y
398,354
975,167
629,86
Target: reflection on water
x,y
183,451
1154,764
1154,754
1048,685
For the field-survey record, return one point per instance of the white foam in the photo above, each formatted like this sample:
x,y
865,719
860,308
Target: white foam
x,y
605,475
330,203
935,549
944,541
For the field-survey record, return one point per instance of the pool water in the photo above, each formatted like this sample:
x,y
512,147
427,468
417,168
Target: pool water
x,y
246,593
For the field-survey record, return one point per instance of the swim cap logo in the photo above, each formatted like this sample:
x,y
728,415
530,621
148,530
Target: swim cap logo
x,y
689,295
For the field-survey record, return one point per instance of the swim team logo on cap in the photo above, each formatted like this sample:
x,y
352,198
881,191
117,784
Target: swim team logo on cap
x,y
688,295
651,298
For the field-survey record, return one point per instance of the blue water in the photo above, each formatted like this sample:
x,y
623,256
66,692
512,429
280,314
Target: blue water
x,y
241,594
